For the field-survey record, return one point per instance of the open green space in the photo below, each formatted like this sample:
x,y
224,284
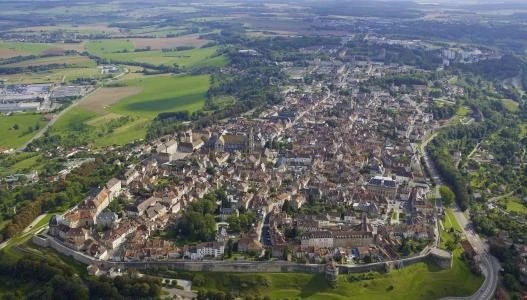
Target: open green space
x,y
449,235
109,46
21,163
23,237
122,51
128,119
452,223
17,129
20,48
164,93
515,205
462,114
53,76
418,281
72,60
510,105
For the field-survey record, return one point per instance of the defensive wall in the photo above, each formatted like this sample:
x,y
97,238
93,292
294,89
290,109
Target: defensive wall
x,y
442,258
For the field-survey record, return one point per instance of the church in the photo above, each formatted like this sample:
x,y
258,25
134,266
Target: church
x,y
227,142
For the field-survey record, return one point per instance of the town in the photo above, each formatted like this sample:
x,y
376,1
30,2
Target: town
x,y
324,176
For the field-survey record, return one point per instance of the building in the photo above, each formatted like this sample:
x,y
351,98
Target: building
x,y
382,186
166,151
114,187
231,142
107,219
202,250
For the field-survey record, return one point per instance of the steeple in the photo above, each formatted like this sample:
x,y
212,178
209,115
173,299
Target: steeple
x,y
250,141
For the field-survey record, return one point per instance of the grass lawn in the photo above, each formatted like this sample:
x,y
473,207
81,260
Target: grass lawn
x,y
510,105
462,113
127,119
10,137
515,205
451,220
27,164
22,238
419,281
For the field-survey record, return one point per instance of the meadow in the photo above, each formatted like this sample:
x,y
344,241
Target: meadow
x,y
418,281
72,60
10,49
118,115
511,105
17,129
118,50
164,93
53,76
513,204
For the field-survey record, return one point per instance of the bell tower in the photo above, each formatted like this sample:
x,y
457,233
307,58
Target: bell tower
x,y
250,141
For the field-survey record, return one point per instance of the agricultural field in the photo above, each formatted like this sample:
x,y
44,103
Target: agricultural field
x,y
83,29
53,76
17,129
101,47
164,93
118,115
11,49
123,51
192,40
73,61
99,101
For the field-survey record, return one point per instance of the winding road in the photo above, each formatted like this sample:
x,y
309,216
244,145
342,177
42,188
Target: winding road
x,y
62,112
489,264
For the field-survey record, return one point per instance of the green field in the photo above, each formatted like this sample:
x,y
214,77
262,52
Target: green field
x,y
109,46
128,119
418,281
10,137
73,60
515,205
23,162
122,51
510,105
164,93
53,76
26,48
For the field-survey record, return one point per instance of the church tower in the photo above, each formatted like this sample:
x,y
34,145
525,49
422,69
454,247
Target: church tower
x,y
250,141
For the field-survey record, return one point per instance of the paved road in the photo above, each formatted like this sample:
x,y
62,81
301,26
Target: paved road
x,y
53,120
27,231
488,263
486,292
62,112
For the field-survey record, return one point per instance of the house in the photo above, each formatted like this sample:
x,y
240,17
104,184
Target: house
x,y
107,219
166,151
114,187
101,200
140,207
129,176
226,212
249,243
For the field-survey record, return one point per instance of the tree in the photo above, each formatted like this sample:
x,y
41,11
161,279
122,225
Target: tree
x,y
447,195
